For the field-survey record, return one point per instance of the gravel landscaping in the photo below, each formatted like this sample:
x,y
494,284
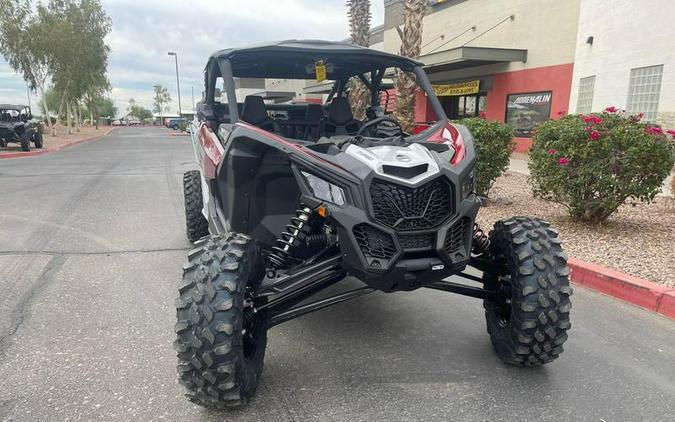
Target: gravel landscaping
x,y
638,240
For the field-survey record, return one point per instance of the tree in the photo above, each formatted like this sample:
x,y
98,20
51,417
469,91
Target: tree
x,y
24,42
411,42
137,111
358,12
79,57
161,98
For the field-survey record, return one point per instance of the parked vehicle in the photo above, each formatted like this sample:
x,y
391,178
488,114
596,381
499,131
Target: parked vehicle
x,y
281,209
17,125
174,124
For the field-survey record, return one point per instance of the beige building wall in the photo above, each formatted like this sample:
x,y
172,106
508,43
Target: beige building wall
x,y
546,28
626,35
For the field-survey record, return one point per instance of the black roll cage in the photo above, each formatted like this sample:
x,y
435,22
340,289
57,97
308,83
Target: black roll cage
x,y
224,69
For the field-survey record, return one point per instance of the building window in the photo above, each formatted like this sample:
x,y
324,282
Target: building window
x,y
643,91
585,99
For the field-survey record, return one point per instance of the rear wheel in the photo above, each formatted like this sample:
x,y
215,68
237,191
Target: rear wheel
x,y
528,322
221,341
196,225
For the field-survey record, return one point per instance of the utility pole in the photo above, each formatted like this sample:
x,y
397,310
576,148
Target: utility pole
x,y
175,56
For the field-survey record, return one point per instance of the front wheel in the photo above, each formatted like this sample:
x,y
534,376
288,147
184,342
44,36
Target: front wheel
x,y
528,322
221,340
25,144
38,140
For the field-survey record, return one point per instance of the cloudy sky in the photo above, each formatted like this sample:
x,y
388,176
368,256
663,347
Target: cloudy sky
x,y
145,30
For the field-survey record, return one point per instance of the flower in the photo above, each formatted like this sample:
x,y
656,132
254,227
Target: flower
x,y
551,151
671,132
592,119
611,109
562,113
563,161
654,130
594,135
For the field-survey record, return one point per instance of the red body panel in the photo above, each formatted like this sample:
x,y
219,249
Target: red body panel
x,y
211,151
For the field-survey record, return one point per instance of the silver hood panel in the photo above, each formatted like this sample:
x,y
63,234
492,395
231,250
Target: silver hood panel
x,y
396,156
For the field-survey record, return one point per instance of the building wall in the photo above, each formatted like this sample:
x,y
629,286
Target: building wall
x,y
626,34
555,78
546,28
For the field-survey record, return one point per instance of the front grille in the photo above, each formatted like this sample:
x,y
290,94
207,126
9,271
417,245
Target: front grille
x,y
416,241
456,239
403,208
374,243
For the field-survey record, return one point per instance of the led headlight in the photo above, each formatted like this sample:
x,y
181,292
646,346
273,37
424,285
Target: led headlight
x,y
324,190
468,184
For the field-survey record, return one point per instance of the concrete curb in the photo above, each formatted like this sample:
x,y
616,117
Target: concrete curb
x,y
36,152
634,290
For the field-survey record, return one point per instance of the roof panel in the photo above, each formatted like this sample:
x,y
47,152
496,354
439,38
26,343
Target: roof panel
x,y
294,59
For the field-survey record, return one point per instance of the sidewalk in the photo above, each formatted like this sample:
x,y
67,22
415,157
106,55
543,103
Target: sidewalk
x,y
519,165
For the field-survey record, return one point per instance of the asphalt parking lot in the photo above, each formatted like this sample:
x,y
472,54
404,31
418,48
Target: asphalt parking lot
x,y
91,247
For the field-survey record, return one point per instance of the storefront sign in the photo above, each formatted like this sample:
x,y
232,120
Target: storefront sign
x,y
525,111
462,88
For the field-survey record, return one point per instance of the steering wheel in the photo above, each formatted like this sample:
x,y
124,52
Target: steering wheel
x,y
372,126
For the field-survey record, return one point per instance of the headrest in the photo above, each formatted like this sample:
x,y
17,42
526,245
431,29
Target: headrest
x,y
339,111
314,112
254,111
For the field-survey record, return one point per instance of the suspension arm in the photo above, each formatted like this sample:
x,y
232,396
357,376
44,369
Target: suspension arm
x,y
278,318
463,290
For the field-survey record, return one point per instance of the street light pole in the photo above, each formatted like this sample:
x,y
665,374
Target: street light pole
x,y
175,56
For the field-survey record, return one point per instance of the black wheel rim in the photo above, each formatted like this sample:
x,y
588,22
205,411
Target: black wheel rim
x,y
502,282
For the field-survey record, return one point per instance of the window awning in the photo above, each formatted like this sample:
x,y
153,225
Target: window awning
x,y
464,57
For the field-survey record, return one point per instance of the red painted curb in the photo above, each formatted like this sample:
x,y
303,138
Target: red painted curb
x,y
628,288
34,152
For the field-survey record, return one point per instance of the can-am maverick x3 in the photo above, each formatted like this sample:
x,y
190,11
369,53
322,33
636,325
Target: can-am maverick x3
x,y
284,206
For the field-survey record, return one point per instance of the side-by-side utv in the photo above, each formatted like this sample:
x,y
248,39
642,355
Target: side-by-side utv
x,y
291,198
17,125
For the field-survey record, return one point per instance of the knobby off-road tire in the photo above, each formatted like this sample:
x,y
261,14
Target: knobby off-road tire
x,y
197,226
529,326
220,349
25,144
38,140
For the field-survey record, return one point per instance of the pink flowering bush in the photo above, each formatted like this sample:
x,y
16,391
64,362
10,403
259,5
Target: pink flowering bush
x,y
592,164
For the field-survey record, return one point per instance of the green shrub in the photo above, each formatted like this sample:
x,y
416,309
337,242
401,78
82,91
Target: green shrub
x,y
593,164
494,143
182,126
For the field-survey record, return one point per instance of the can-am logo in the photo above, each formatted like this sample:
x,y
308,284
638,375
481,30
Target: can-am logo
x,y
533,99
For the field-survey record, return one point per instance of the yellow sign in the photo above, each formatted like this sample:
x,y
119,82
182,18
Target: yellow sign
x,y
462,88
320,68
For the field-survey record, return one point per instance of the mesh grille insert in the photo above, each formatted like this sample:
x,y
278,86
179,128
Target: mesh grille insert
x,y
416,241
403,208
374,243
456,239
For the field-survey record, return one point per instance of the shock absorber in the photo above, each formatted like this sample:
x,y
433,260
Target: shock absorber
x,y
481,241
293,237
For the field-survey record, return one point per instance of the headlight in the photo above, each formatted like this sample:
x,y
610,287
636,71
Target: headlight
x,y
468,184
325,190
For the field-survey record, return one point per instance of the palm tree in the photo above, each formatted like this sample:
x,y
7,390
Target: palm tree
x,y
411,43
358,12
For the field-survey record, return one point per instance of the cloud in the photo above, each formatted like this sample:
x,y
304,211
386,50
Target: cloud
x,y
144,31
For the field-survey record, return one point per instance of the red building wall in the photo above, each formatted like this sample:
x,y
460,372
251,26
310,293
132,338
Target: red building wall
x,y
557,79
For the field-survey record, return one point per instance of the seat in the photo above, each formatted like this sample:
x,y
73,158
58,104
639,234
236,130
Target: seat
x,y
340,120
255,113
313,116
